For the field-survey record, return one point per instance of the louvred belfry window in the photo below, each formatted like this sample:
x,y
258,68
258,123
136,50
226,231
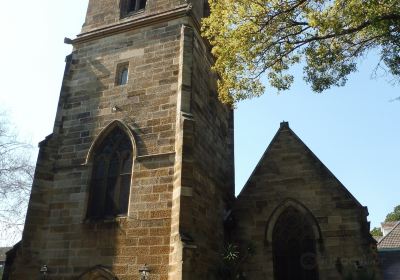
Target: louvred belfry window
x,y
111,176
136,5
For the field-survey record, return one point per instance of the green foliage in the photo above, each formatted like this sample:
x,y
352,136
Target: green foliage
x,y
395,215
376,231
256,38
1,272
231,253
232,260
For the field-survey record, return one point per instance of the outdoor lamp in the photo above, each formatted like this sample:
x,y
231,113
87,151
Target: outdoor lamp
x,y
144,272
43,271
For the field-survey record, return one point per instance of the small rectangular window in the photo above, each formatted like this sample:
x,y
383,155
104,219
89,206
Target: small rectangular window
x,y
122,74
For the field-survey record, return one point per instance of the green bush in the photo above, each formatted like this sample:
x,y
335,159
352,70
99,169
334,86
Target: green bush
x,y
376,232
233,258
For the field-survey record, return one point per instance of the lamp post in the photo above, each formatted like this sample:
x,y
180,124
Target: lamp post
x,y
43,271
144,272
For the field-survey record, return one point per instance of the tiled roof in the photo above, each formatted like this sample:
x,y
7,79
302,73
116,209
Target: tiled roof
x,y
389,224
392,239
3,252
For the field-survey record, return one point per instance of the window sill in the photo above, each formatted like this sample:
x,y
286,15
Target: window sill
x,y
120,86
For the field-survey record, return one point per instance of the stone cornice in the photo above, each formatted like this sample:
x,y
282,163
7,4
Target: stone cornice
x,y
178,12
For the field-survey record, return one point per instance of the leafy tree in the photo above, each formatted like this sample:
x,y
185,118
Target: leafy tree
x,y
393,216
376,231
252,38
16,174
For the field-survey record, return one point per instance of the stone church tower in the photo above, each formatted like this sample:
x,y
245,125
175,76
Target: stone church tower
x,y
138,173
139,168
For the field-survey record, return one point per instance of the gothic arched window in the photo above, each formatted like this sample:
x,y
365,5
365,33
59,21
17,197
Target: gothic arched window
x,y
294,247
111,176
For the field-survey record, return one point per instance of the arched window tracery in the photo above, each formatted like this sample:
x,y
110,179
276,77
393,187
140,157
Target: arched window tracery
x,y
294,247
111,176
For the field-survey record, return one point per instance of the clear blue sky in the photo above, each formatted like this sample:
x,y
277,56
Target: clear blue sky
x,y
354,130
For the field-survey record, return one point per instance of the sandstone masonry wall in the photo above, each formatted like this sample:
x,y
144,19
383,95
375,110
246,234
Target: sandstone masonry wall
x,y
103,13
208,166
289,172
57,233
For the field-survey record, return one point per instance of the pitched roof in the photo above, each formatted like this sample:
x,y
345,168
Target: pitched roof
x,y
286,131
392,239
3,252
388,226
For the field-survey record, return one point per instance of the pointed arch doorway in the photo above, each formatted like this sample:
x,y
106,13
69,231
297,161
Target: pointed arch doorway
x,y
294,247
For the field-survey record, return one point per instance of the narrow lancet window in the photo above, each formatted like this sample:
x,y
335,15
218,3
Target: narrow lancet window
x,y
111,176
